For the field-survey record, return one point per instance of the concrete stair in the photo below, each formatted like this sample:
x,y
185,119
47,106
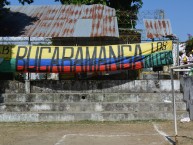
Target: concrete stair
x,y
37,107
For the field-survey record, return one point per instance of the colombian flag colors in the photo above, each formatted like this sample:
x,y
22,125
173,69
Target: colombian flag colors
x,y
65,59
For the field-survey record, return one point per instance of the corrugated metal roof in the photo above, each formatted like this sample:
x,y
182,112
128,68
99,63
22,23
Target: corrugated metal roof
x,y
157,28
69,21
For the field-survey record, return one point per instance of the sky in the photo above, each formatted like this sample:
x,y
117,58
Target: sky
x,y
179,12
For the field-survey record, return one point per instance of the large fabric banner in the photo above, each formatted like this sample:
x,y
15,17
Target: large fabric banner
x,y
64,59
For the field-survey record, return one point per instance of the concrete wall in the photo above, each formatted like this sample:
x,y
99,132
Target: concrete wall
x,y
90,86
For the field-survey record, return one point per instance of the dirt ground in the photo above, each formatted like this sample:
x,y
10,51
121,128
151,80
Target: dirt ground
x,y
96,133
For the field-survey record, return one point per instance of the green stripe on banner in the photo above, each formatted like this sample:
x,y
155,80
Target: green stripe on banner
x,y
8,66
158,59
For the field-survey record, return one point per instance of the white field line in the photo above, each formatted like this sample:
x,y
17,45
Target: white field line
x,y
96,135
61,140
161,133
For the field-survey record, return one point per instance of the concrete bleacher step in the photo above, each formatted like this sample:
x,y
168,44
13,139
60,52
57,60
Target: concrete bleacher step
x,y
155,75
89,97
92,116
91,86
90,100
93,107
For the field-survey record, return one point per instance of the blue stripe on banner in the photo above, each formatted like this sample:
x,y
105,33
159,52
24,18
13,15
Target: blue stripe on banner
x,y
79,62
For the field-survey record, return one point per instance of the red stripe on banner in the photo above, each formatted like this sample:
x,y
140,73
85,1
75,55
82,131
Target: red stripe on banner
x,y
77,69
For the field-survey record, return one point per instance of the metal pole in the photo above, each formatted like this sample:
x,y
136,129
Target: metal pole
x,y
29,43
177,52
175,68
27,79
178,63
174,106
174,103
182,66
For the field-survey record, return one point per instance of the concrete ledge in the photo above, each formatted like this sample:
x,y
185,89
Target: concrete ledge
x,y
88,97
91,86
17,117
91,107
109,116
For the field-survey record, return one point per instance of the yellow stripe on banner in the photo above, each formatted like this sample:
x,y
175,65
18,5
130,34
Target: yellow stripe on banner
x,y
83,52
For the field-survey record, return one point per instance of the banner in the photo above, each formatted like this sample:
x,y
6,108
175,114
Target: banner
x,y
66,59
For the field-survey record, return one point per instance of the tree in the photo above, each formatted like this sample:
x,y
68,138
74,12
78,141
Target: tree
x,y
87,2
7,2
133,5
189,43
26,1
3,3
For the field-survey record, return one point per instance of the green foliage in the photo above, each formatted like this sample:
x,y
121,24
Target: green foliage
x,y
132,5
87,2
124,5
3,3
3,10
189,45
26,1
7,2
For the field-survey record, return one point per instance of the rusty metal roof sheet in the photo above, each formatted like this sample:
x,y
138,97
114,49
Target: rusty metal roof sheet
x,y
68,21
157,28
